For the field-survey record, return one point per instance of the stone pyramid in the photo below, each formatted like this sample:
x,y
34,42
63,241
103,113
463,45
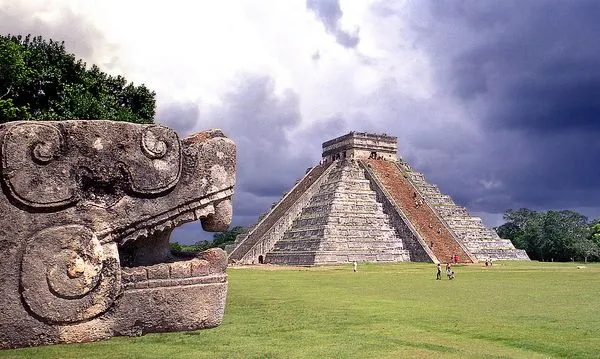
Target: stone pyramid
x,y
342,222
362,203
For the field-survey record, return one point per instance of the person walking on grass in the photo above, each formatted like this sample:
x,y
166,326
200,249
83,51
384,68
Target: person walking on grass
x,y
449,271
438,275
354,265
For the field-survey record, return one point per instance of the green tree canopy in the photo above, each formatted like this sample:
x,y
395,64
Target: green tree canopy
x,y
552,235
220,240
39,80
595,232
223,238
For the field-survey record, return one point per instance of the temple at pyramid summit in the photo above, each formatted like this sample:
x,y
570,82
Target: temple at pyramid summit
x,y
362,203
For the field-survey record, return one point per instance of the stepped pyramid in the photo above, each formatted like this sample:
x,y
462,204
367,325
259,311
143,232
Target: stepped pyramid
x,y
362,204
342,222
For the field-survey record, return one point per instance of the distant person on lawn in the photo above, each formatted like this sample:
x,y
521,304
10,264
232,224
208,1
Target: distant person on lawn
x,y
449,271
438,275
354,265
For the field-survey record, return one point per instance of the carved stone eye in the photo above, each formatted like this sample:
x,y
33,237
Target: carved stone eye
x,y
152,144
161,172
44,152
36,172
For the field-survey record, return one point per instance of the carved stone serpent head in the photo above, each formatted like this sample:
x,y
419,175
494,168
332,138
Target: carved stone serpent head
x,y
86,211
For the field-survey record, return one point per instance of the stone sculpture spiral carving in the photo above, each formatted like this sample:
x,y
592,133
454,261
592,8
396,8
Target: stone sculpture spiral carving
x,y
86,211
162,147
67,275
30,154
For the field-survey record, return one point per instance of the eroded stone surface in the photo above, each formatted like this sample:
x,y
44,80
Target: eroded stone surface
x,y
86,210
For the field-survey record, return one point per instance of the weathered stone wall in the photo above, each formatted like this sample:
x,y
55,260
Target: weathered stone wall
x,y
364,154
357,145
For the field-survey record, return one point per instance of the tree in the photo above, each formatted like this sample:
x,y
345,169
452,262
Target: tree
x,y
13,73
557,235
595,231
524,229
590,246
223,238
509,230
563,231
220,240
586,248
39,80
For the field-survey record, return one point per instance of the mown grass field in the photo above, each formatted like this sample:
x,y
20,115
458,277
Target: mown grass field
x,y
511,310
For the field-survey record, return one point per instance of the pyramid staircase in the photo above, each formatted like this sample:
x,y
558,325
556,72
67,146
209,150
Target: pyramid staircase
x,y
433,231
481,242
251,247
342,222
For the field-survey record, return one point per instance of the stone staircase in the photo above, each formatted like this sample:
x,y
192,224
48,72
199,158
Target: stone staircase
x,y
342,222
481,242
438,238
251,247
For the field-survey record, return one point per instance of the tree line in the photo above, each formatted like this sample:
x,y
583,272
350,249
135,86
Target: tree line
x,y
40,80
220,240
552,235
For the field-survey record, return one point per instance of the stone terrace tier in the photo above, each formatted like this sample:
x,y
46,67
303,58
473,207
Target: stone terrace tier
x,y
431,229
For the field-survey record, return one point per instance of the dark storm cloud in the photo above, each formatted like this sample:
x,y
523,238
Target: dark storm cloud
x,y
260,121
271,153
529,74
79,35
330,13
181,117
431,139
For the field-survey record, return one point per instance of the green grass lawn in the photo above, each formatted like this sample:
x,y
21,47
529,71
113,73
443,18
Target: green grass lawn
x,y
511,310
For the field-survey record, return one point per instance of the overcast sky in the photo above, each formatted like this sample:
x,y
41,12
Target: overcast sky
x,y
495,102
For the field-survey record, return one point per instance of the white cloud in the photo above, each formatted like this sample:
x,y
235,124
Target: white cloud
x,y
192,51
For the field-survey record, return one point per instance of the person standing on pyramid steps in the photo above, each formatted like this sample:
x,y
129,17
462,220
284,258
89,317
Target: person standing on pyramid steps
x,y
438,275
